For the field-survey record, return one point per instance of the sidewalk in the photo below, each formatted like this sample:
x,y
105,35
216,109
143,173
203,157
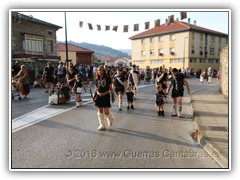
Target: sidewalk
x,y
211,123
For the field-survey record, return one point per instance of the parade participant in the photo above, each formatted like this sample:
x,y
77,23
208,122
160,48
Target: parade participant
x,y
130,95
147,76
203,75
48,75
134,80
209,75
163,81
119,85
78,86
177,81
23,80
103,85
159,100
60,73
71,76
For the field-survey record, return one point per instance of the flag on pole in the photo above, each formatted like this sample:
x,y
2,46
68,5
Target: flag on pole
x,y
136,27
157,22
107,28
171,19
115,28
183,15
99,27
147,24
125,28
90,26
80,24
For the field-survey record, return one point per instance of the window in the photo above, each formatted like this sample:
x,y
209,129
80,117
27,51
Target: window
x,y
176,61
219,51
193,51
201,37
152,40
172,37
219,40
202,61
142,41
49,46
211,61
193,60
137,63
217,61
33,44
151,52
160,39
160,52
211,51
159,61
201,51
193,35
50,33
172,51
143,53
212,38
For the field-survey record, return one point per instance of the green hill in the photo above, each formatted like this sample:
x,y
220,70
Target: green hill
x,y
100,50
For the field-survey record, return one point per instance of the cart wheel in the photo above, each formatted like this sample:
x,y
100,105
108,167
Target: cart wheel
x,y
19,98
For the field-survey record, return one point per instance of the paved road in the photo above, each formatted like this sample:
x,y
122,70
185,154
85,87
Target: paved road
x,y
137,139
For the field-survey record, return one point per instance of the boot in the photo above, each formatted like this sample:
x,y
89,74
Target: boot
x,y
109,119
159,113
120,104
174,111
102,125
180,111
162,113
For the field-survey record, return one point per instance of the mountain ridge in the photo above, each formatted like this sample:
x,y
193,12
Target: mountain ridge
x,y
100,50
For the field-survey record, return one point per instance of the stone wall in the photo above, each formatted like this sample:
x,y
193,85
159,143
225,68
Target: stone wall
x,y
224,72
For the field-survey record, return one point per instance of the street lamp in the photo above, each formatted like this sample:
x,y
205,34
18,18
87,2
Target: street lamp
x,y
66,43
184,52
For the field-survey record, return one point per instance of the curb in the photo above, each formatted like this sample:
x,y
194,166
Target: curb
x,y
209,146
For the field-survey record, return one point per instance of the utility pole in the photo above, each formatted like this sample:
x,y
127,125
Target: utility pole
x,y
66,42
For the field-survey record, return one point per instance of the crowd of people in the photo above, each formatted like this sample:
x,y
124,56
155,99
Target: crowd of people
x,y
113,83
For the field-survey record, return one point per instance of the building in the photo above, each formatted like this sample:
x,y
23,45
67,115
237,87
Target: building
x,y
76,54
114,61
33,43
178,45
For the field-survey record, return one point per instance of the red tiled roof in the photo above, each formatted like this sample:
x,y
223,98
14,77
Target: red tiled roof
x,y
177,26
72,48
108,58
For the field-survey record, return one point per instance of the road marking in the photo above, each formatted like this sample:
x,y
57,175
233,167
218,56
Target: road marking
x,y
37,115
44,113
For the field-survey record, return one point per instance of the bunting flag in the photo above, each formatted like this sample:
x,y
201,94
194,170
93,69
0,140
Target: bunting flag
x,y
125,28
80,24
157,23
183,15
171,19
107,28
98,27
147,25
136,27
90,26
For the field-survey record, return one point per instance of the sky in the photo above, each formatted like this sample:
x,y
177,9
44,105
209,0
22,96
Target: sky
x,y
211,19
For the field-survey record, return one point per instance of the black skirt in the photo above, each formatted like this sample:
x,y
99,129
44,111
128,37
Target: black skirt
x,y
103,101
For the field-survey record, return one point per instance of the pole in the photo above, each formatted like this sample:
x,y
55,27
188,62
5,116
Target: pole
x,y
66,42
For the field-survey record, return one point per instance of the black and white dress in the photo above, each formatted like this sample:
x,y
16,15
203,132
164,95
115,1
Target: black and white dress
x,y
159,98
102,86
178,85
119,84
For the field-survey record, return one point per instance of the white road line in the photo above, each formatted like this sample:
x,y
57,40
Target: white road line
x,y
43,113
37,115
